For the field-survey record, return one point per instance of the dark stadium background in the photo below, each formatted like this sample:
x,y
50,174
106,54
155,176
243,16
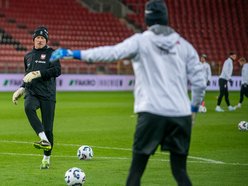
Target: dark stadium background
x,y
214,27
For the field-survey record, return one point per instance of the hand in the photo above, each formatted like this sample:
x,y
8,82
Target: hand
x,y
31,75
63,53
231,82
208,83
17,94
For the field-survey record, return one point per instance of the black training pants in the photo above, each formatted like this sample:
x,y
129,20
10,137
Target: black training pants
x,y
47,108
172,134
223,92
178,167
243,92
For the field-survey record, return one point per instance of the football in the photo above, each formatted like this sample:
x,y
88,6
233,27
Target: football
x,y
243,125
202,109
75,177
85,152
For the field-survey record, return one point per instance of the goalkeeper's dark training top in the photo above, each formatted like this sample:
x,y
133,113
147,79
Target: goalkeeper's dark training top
x,y
45,86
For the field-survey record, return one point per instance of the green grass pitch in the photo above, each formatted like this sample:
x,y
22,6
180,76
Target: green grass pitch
x,y
105,121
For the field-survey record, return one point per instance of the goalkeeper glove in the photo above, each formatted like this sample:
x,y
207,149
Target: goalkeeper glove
x,y
230,81
31,75
63,53
17,94
208,83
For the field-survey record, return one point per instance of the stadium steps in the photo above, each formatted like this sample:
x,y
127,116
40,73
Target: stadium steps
x,y
213,27
70,25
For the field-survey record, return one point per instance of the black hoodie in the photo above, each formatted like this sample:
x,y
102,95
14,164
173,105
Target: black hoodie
x,y
45,86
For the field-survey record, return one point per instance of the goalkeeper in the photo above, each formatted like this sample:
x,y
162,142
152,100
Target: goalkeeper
x,y
40,91
163,62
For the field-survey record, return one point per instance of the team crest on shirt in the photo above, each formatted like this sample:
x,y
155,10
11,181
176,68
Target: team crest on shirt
x,y
43,56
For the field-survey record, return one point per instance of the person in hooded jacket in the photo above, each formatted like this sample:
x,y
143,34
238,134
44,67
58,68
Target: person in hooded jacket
x,y
163,63
224,78
39,86
244,81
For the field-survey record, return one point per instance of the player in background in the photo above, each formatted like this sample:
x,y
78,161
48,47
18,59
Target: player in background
x,y
40,91
224,78
207,74
163,62
244,81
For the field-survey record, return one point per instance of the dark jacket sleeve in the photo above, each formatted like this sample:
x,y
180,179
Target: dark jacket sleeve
x,y
54,70
25,68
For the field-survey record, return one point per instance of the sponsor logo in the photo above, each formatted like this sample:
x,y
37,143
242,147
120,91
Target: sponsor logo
x,y
131,82
164,51
38,61
111,83
79,82
12,82
59,82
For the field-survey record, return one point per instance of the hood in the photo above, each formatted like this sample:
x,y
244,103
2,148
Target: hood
x,y
165,37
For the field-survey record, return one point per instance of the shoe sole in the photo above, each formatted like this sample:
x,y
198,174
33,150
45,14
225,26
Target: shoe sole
x,y
44,167
46,148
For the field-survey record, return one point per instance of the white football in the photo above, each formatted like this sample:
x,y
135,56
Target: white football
x,y
75,177
243,125
85,152
202,109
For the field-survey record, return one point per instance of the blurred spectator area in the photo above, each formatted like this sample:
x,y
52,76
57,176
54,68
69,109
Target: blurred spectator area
x,y
70,25
214,27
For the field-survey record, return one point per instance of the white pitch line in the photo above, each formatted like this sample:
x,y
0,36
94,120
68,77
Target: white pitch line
x,y
58,156
199,159
99,147
207,160
114,158
72,145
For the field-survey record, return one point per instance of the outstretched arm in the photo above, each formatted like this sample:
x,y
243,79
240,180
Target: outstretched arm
x,y
63,53
126,49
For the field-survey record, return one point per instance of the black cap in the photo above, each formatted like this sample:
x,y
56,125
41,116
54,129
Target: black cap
x,y
156,13
41,31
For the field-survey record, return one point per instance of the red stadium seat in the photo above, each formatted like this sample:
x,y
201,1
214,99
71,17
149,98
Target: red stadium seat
x,y
213,27
80,28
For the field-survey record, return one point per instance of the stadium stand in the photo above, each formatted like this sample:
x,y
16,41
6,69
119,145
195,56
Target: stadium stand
x,y
70,25
213,27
